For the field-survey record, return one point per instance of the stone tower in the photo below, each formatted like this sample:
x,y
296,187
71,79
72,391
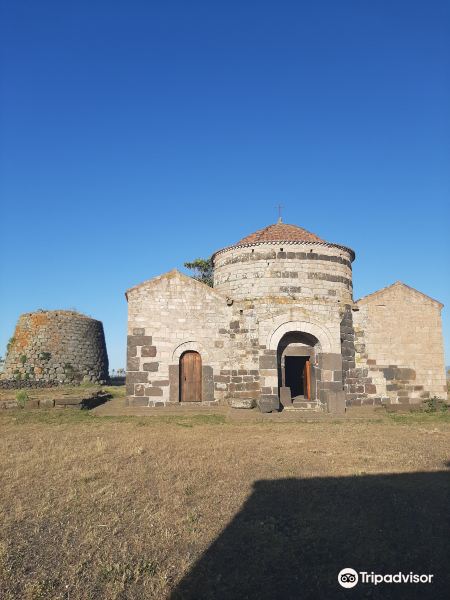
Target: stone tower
x,y
57,346
292,293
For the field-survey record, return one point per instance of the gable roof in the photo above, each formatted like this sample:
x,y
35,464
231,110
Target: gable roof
x,y
174,274
393,285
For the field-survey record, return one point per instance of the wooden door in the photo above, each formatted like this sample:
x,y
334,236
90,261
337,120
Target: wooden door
x,y
307,380
190,377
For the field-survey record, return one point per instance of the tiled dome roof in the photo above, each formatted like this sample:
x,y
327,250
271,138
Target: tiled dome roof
x,y
280,232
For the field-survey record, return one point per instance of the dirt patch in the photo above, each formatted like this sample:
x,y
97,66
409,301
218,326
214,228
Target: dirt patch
x,y
196,506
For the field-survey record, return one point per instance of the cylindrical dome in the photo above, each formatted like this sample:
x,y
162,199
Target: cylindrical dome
x,y
284,260
58,346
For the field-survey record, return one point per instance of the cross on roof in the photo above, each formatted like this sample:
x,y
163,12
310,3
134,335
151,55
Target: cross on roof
x,y
279,206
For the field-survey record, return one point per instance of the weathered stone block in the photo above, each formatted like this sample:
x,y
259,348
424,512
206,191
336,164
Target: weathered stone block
x,y
136,377
148,351
268,362
174,383
335,402
207,383
139,340
141,401
285,396
153,391
268,403
133,364
407,374
242,403
152,366
330,361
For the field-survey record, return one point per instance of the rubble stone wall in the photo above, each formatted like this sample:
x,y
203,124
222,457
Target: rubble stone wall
x,y
56,346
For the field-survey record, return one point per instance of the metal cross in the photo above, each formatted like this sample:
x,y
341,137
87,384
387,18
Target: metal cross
x,y
279,206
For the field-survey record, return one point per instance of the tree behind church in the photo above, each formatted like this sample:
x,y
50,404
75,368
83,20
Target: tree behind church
x,y
202,270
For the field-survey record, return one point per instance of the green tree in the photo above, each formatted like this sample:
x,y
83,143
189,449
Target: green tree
x,y
202,270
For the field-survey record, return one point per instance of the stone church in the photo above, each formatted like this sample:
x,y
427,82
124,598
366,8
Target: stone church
x,y
280,329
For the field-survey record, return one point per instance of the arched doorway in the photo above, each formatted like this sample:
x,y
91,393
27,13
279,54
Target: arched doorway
x,y
296,361
190,377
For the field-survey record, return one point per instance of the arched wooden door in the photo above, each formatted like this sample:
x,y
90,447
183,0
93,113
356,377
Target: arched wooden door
x,y
190,377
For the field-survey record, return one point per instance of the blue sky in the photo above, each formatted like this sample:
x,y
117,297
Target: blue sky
x,y
137,135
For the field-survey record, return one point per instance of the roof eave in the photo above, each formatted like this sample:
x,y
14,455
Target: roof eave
x,y
277,242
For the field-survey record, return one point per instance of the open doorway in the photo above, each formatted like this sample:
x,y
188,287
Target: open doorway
x,y
296,355
297,376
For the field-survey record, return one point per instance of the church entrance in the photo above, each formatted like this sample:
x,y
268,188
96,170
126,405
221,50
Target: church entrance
x,y
190,377
296,365
298,376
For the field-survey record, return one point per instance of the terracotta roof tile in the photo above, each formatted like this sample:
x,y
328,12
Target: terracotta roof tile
x,y
280,232
283,232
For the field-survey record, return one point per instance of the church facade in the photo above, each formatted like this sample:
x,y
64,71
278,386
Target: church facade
x,y
279,328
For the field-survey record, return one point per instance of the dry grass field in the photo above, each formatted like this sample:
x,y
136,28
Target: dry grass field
x,y
198,506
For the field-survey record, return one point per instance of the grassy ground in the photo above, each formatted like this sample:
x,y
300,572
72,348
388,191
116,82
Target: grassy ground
x,y
197,506
52,392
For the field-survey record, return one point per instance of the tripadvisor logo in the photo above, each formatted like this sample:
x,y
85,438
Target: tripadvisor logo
x,y
348,577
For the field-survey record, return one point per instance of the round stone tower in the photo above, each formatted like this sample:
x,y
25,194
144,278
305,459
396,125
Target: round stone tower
x,y
284,261
291,297
57,346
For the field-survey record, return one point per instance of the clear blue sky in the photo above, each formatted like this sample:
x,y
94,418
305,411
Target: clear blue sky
x,y
136,135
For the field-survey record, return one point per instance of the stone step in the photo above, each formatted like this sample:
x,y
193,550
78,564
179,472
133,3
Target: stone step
x,y
305,404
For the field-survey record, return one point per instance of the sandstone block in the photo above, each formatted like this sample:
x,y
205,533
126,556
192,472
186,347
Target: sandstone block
x,y
148,351
242,403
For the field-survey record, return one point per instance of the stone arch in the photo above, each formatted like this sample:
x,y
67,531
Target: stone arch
x,y
189,345
318,331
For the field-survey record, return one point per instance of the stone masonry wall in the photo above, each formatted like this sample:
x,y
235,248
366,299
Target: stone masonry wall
x,y
285,286
399,345
57,346
260,294
173,313
284,269
347,341
167,316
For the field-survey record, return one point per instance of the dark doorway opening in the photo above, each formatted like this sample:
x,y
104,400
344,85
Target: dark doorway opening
x,y
295,367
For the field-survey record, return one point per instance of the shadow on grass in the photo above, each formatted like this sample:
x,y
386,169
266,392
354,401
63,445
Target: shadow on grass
x,y
293,536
